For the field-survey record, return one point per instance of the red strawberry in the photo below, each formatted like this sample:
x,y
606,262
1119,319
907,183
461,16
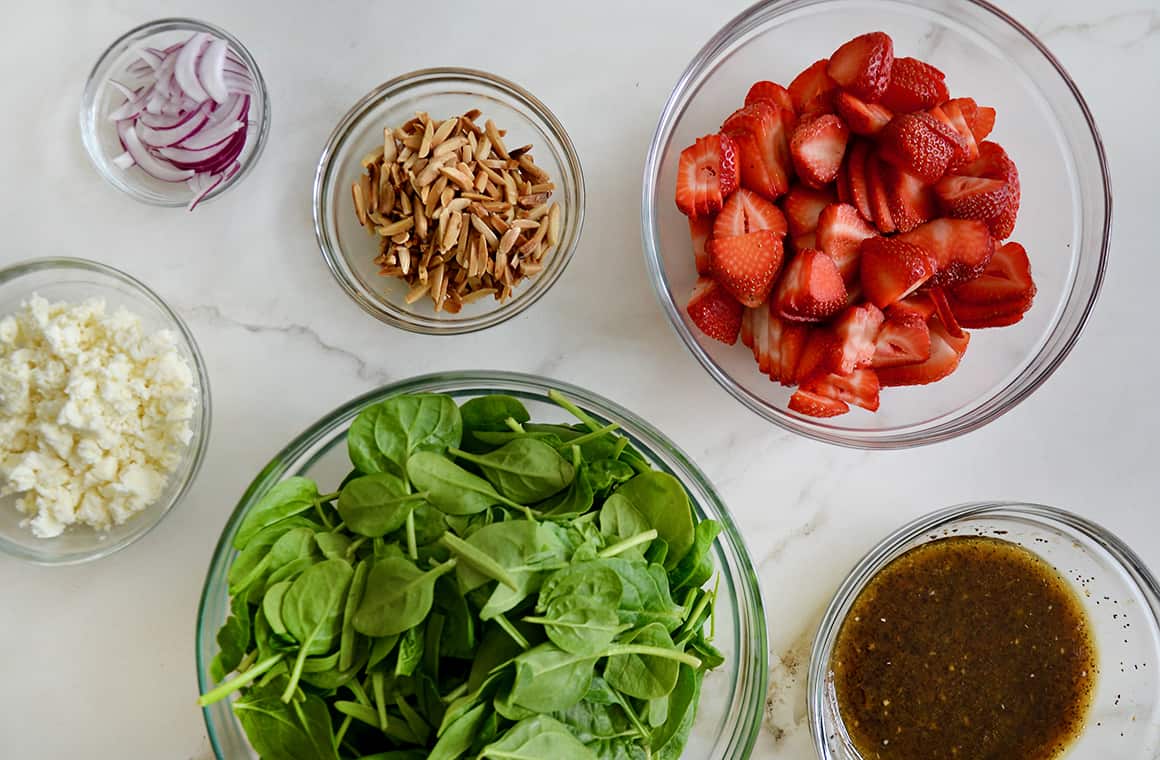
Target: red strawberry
x,y
793,344
816,352
942,307
918,305
842,181
859,387
811,89
762,134
910,200
856,170
802,207
769,92
714,311
879,200
840,232
959,151
804,241
966,106
746,211
811,288
856,330
771,344
892,269
945,353
861,117
747,324
994,314
914,85
814,405
706,174
960,248
918,143
902,340
761,337
994,163
863,65
700,227
1006,278
958,120
984,122
973,197
746,265
817,148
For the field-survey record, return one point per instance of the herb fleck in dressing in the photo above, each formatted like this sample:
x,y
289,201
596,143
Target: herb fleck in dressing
x,y
966,647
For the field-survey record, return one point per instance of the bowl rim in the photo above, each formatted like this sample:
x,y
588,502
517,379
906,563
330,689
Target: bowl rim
x,y
93,85
892,545
753,668
382,309
890,438
198,447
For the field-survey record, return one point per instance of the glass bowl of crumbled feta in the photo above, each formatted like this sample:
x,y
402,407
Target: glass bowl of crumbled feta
x,y
104,410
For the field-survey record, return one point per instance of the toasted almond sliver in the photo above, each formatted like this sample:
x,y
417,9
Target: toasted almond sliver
x,y
458,204
554,226
483,148
488,235
459,178
542,187
510,193
420,222
537,212
475,295
436,283
412,141
443,131
451,231
534,240
519,152
450,146
417,291
404,254
525,224
496,140
428,137
360,206
394,228
372,158
508,240
390,150
530,168
501,261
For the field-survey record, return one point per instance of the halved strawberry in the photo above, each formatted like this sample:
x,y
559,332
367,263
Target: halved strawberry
x,y
979,198
769,92
918,143
879,200
761,131
706,174
942,307
746,211
966,106
994,163
862,65
841,230
714,311
992,314
802,207
918,305
892,269
747,324
960,153
700,228
842,181
747,265
1006,278
958,120
903,339
814,405
812,90
914,85
859,387
811,288
793,344
816,352
772,343
960,248
984,122
861,117
817,148
856,172
945,353
761,337
910,199
803,242
856,330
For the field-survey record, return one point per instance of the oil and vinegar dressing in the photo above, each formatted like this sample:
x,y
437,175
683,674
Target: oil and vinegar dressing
x,y
971,648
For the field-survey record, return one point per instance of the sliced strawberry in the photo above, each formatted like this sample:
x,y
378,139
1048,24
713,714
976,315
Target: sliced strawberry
x,y
914,86
803,242
961,248
991,314
959,150
861,117
746,211
816,352
856,330
918,305
714,311
994,163
811,288
747,325
879,200
793,344
1006,278
856,172
892,269
984,122
911,200
700,228
762,134
841,230
842,181
802,207
817,148
770,92
772,343
862,65
706,174
918,143
973,197
746,265
958,120
761,337
942,307
812,87
859,387
814,405
966,106
902,340
945,353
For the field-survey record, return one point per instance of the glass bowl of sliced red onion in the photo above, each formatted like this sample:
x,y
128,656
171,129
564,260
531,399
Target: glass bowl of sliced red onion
x,y
175,112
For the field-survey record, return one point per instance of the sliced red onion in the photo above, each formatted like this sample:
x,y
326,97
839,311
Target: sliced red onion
x,y
192,122
211,70
123,161
134,102
185,69
161,170
190,158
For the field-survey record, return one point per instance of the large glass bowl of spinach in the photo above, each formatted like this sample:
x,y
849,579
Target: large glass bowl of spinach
x,y
537,653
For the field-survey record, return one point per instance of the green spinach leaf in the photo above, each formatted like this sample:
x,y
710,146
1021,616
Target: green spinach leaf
x,y
525,470
290,497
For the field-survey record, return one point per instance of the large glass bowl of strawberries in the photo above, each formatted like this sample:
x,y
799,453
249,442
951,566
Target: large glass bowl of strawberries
x,y
877,223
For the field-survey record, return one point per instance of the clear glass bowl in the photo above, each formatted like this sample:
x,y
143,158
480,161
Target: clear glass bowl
x,y
350,251
100,135
733,696
1119,594
75,280
1044,124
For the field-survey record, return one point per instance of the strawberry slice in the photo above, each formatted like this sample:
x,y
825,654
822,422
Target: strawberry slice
x,y
920,144
793,344
945,353
914,86
979,198
856,331
992,314
814,405
910,200
817,148
813,89
700,228
856,175
771,342
892,269
961,248
761,337
803,241
802,207
770,92
762,134
746,265
816,352
994,163
811,288
746,211
747,325
918,305
859,388
984,122
862,65
957,119
842,181
879,200
1006,278
841,230
942,307
861,117
960,152
903,339
706,174
714,311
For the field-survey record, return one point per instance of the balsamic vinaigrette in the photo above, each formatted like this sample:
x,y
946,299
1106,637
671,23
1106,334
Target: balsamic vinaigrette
x,y
968,648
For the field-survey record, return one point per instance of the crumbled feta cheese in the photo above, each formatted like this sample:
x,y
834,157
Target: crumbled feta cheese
x,y
94,413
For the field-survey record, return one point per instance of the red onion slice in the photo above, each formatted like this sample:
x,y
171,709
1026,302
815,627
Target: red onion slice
x,y
143,158
124,161
134,101
211,68
185,68
191,123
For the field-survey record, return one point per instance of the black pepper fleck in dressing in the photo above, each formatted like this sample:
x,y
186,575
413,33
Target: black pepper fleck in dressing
x,y
970,648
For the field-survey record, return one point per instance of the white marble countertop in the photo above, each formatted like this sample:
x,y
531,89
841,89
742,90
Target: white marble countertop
x,y
98,660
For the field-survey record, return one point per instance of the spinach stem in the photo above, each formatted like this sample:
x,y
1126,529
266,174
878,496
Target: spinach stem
x,y
621,445
342,729
380,698
514,424
455,693
593,436
692,619
354,546
577,626
669,654
229,687
502,621
327,497
295,674
564,403
478,560
359,692
412,543
322,515
247,661
622,546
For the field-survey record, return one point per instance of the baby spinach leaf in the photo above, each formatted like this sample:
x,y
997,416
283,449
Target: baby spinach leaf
x,y
272,607
579,626
644,676
430,523
549,679
285,499
361,444
673,733
519,547
381,649
645,596
620,520
597,582
450,488
312,612
375,505
354,596
457,738
490,413
233,640
605,473
398,596
574,500
525,470
664,503
535,739
410,651
301,729
421,422
332,545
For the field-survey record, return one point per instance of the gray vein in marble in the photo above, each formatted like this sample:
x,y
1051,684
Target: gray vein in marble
x,y
805,530
1141,31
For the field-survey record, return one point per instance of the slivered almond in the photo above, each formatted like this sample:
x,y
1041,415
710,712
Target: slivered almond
x,y
508,240
394,228
483,229
525,224
496,140
360,206
450,146
443,131
534,240
418,290
554,226
372,158
428,137
390,150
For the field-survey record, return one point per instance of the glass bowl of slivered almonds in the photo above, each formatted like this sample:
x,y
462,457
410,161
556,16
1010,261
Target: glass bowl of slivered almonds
x,y
448,200
465,666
